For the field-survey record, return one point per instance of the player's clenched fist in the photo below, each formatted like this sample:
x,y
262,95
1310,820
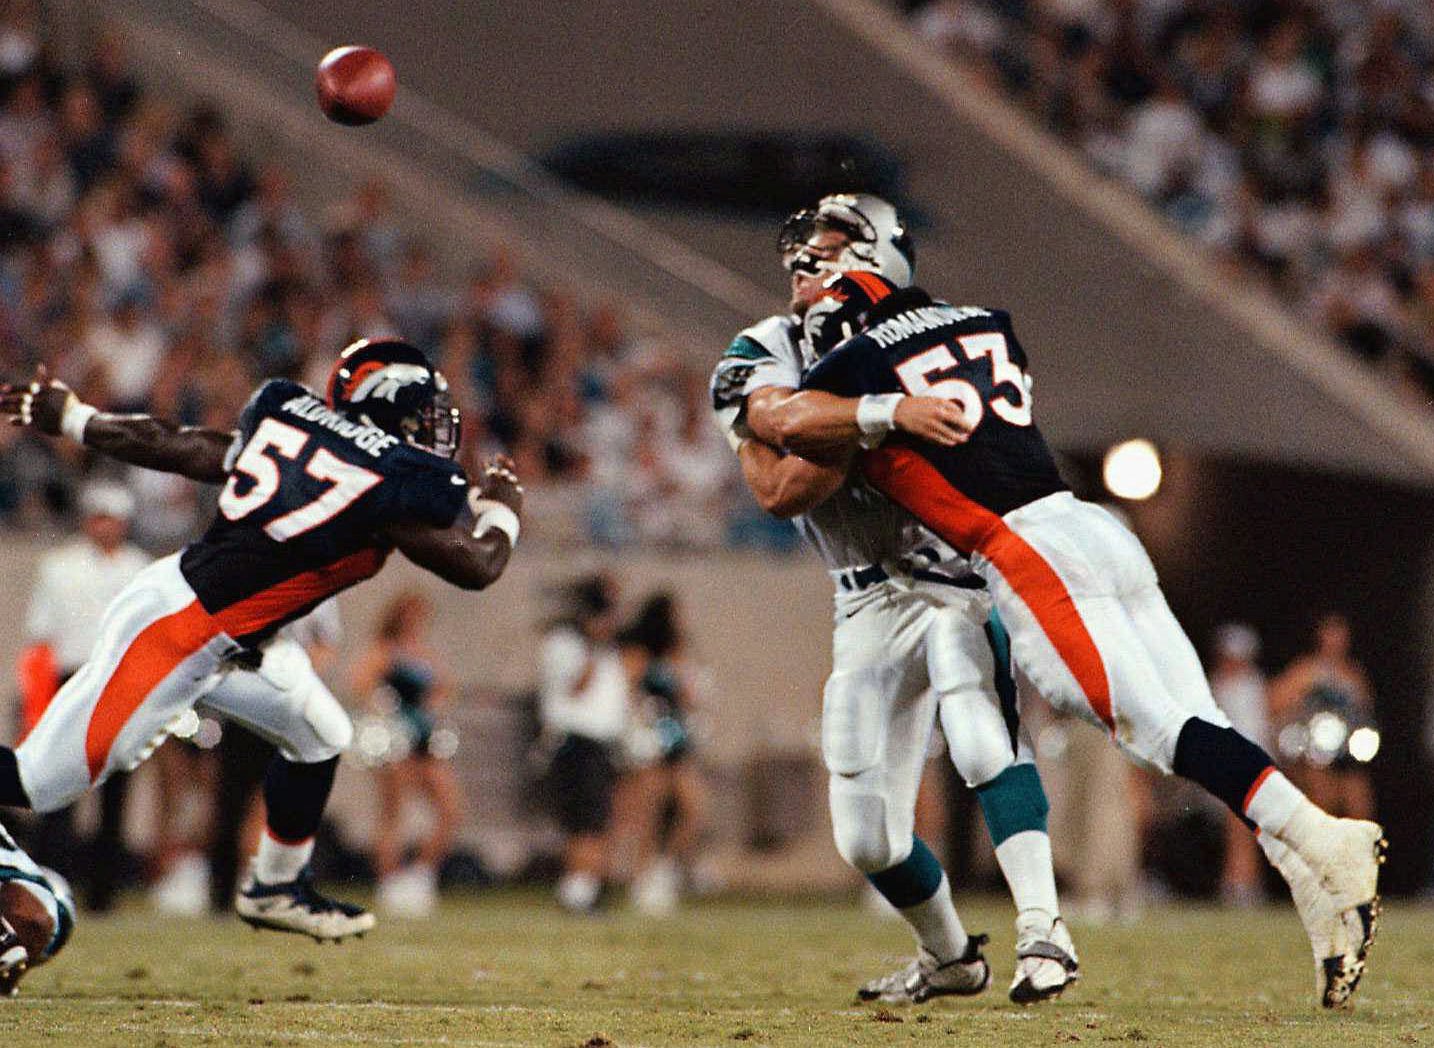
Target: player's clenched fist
x,y
40,403
499,482
935,419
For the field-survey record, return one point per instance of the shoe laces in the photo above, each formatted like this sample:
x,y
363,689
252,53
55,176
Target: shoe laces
x,y
309,897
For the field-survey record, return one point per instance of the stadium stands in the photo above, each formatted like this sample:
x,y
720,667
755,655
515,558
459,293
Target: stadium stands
x,y
154,265
1292,137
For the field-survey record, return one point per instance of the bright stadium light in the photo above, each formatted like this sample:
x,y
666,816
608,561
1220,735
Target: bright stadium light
x,y
1132,470
1363,744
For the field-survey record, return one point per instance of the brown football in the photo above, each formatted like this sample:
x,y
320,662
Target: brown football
x,y
355,85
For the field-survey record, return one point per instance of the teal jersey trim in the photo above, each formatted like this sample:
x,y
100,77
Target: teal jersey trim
x,y
1005,682
745,348
65,922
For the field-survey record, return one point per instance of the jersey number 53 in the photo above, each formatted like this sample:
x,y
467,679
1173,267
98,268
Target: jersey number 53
x,y
1010,395
256,463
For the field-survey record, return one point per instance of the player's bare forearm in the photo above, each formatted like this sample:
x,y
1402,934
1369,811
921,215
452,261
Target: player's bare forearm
x,y
807,422
455,555
141,440
822,426
785,485
474,550
156,443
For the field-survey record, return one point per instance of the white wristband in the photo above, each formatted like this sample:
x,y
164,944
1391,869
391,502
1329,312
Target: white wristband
x,y
876,413
75,418
493,514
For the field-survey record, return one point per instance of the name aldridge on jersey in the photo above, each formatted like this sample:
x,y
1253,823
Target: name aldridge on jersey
x,y
365,436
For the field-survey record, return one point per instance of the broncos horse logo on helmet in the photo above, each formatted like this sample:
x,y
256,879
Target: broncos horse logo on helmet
x,y
390,384
877,239
842,308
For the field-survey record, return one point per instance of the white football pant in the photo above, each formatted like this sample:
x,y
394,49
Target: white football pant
x,y
1090,627
902,650
158,654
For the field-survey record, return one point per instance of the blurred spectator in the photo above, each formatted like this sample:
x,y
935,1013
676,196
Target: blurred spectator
x,y
399,672
1325,696
666,797
1294,136
76,583
1239,690
583,706
127,351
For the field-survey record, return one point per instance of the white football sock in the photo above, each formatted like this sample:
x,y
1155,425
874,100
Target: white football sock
x,y
1274,802
277,863
1025,860
937,927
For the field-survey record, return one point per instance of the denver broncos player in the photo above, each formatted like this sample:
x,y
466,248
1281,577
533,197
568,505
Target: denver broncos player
x,y
1088,622
317,493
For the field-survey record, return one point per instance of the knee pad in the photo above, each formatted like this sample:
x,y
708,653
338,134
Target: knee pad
x,y
854,718
319,727
329,720
860,826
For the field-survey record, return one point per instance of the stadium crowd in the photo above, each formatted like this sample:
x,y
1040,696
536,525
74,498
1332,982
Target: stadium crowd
x,y
153,265
1293,136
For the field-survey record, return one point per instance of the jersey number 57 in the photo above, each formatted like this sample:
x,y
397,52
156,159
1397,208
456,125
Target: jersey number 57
x,y
347,482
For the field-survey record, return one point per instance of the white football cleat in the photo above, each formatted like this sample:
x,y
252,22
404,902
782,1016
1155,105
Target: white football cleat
x,y
296,906
1353,851
1343,856
926,977
1046,961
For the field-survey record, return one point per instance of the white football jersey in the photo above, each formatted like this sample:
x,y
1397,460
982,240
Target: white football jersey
x,y
857,526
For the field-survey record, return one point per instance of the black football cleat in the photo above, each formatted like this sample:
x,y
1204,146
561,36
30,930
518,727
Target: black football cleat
x,y
297,906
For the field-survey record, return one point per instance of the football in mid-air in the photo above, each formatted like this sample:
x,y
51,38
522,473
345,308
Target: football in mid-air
x,y
355,85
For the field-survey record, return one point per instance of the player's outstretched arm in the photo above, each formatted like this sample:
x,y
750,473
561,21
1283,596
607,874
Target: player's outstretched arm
x,y
473,551
141,440
815,423
785,485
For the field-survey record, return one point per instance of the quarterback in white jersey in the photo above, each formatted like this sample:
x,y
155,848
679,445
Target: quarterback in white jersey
x,y
37,914
914,639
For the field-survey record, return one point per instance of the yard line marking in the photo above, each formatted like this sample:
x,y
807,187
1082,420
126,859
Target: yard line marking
x,y
316,1036
270,1002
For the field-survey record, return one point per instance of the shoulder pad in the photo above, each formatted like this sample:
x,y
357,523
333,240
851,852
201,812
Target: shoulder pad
x,y
283,387
769,337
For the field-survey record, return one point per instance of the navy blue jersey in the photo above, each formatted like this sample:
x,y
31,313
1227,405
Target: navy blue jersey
x,y
299,518
969,355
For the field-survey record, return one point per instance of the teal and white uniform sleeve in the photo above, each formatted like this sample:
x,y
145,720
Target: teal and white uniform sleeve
x,y
765,354
46,885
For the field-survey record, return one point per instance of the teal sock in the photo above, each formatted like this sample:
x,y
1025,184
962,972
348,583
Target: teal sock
x,y
1015,807
911,881
1013,802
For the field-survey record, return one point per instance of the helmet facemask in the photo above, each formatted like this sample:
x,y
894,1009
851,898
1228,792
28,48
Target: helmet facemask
x,y
438,426
876,238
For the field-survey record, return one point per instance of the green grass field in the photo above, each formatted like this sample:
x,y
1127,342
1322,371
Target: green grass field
x,y
507,970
